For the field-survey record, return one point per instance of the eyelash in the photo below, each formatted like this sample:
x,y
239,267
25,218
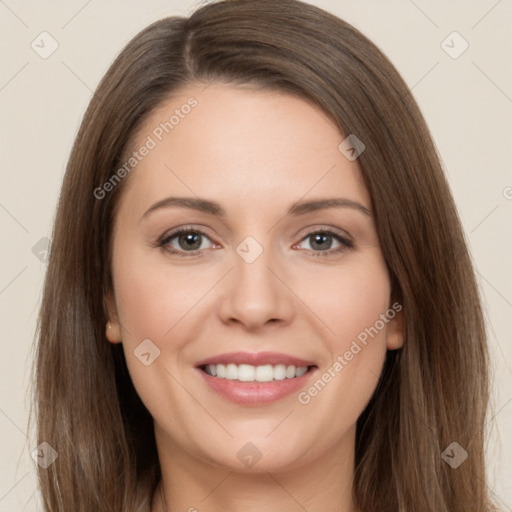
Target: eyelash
x,y
345,242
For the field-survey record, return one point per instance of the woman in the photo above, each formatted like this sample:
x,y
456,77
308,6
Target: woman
x,y
321,346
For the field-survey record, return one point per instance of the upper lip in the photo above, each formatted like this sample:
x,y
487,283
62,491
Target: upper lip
x,y
255,359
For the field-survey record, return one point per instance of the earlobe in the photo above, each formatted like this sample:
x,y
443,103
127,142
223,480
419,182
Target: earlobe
x,y
113,333
113,327
395,335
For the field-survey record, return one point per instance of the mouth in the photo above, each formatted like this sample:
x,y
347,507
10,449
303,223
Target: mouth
x,y
255,378
251,373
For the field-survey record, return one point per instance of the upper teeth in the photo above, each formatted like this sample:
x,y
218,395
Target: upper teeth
x,y
249,373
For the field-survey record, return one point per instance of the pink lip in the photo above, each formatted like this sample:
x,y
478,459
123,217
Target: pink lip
x,y
255,359
256,393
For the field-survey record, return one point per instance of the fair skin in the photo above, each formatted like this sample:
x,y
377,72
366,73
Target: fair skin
x,y
256,153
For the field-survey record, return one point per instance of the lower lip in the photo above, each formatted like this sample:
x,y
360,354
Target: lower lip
x,y
256,393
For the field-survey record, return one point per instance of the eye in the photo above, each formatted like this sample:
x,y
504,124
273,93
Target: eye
x,y
188,241
185,242
321,242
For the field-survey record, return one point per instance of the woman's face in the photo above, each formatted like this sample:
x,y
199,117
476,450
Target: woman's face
x,y
268,278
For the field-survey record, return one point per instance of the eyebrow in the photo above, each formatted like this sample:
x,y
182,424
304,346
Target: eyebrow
x,y
298,208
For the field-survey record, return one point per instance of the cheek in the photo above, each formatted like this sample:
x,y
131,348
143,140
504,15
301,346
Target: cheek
x,y
152,304
159,303
348,301
153,298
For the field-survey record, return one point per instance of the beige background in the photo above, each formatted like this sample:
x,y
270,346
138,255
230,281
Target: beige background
x,y
467,102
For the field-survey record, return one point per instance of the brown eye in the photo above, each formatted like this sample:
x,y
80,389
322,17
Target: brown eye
x,y
321,243
189,240
183,241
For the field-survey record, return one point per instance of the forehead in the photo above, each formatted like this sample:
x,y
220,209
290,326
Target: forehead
x,y
239,143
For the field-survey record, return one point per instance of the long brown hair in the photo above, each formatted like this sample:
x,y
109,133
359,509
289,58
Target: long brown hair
x,y
431,393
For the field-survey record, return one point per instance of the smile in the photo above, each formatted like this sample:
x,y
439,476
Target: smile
x,y
252,379
250,373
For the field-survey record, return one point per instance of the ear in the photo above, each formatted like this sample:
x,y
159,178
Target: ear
x,y
395,332
113,327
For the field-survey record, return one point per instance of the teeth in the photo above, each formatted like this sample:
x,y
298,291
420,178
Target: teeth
x,y
249,373
301,371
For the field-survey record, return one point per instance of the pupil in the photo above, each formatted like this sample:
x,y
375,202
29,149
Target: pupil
x,y
319,239
190,240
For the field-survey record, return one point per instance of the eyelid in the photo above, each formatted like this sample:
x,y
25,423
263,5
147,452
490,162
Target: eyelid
x,y
172,233
314,228
343,238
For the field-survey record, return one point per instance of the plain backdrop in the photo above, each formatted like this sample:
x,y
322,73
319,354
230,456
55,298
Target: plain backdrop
x,y
466,100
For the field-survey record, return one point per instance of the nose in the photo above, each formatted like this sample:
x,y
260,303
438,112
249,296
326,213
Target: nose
x,y
255,294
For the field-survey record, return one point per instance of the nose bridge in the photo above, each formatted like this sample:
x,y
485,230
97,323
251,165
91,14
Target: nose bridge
x,y
255,294
252,262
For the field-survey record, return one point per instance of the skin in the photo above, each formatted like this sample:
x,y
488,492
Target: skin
x,y
256,152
